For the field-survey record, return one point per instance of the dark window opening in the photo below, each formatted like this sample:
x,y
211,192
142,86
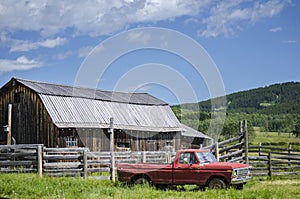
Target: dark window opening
x,y
123,145
169,143
17,97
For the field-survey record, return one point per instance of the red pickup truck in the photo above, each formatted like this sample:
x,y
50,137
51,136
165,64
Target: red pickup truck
x,y
190,166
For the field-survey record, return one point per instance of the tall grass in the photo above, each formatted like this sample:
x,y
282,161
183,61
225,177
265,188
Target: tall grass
x,y
31,186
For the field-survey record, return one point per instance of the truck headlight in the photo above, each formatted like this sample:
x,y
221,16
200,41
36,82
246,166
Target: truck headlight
x,y
234,173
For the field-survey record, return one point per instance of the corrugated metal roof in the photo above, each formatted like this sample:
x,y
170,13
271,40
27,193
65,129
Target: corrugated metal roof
x,y
83,112
70,91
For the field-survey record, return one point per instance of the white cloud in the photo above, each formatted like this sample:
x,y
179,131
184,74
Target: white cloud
x,y
139,37
64,55
52,43
97,17
227,16
291,41
24,45
276,29
90,17
21,63
85,51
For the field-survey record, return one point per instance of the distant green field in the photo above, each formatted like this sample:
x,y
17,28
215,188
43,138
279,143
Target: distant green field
x,y
282,139
30,186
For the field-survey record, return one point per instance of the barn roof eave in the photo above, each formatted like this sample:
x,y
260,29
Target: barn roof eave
x,y
121,127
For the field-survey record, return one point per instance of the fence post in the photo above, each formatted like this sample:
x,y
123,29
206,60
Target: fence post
x,y
217,151
269,164
241,126
9,125
112,155
241,133
143,157
259,146
40,160
246,142
168,156
289,154
85,163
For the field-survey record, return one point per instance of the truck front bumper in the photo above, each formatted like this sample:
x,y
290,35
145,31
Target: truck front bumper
x,y
240,180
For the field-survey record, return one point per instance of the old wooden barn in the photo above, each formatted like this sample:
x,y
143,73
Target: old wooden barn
x,y
66,116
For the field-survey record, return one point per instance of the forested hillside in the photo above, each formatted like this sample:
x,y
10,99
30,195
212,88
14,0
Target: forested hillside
x,y
273,108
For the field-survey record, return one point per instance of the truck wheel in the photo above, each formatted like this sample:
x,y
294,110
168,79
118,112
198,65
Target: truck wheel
x,y
217,183
141,181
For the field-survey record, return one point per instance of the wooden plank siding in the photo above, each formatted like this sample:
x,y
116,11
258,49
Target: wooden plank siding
x,y
28,115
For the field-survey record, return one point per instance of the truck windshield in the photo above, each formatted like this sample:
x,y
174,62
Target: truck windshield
x,y
206,157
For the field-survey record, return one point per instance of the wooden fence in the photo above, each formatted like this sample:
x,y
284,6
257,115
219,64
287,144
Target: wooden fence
x,y
64,161
70,161
234,149
18,158
270,160
265,160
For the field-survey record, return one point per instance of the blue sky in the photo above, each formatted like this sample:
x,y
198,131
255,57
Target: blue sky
x,y
251,43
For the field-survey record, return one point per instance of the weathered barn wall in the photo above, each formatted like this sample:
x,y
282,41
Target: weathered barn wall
x,y
98,139
94,139
145,141
28,115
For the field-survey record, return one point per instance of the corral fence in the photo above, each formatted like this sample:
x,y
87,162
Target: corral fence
x,y
274,161
265,160
270,160
234,149
18,158
70,161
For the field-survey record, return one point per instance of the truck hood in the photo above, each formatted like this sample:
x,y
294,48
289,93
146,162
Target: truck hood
x,y
223,165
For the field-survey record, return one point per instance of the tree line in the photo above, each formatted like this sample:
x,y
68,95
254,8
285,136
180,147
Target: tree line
x,y
274,108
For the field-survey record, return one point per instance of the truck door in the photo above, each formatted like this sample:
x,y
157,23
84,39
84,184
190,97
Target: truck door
x,y
186,170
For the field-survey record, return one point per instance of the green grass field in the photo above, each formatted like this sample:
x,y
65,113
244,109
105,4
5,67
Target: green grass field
x,y
274,137
31,186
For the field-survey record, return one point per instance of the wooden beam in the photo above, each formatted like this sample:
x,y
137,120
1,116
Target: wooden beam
x,y
246,142
112,169
85,164
217,151
40,160
9,124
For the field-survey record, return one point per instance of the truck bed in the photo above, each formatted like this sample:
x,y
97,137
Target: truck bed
x,y
157,172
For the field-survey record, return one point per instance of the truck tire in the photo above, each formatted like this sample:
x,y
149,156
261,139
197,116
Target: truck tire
x,y
217,183
141,181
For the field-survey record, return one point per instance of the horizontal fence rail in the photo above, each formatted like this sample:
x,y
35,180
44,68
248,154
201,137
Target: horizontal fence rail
x,y
18,158
64,161
274,161
71,161
231,150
